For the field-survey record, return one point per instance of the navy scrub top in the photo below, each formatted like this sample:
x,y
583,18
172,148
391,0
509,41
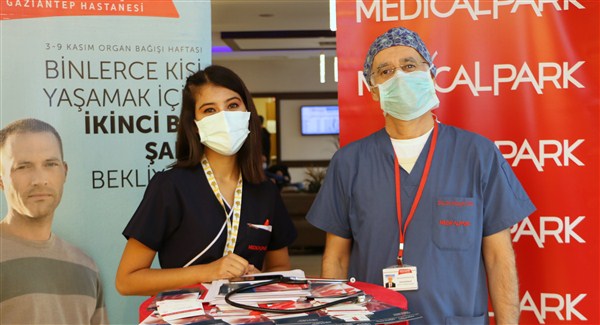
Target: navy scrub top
x,y
179,216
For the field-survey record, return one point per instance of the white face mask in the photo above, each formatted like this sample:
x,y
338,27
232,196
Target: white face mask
x,y
407,96
224,132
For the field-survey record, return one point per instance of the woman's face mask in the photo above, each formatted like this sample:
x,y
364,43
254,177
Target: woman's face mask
x,y
224,132
407,96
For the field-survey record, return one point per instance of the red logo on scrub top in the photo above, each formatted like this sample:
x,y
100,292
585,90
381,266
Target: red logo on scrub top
x,y
257,247
455,203
456,223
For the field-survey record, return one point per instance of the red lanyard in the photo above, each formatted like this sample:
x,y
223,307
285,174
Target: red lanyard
x,y
417,198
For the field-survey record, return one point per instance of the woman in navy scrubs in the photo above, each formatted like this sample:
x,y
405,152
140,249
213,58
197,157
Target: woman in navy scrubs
x,y
213,215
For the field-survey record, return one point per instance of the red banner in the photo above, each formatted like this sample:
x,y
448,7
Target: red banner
x,y
525,74
19,9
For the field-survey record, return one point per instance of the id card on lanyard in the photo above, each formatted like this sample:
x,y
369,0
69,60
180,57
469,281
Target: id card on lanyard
x,y
233,216
404,277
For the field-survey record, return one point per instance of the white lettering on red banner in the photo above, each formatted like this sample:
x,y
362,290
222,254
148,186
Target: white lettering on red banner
x,y
561,153
553,303
70,5
549,227
554,74
557,74
402,10
362,83
55,4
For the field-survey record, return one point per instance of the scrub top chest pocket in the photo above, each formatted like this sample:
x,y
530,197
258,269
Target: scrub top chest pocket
x,y
454,222
258,236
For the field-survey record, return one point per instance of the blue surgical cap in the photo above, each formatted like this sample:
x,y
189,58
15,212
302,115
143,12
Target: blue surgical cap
x,y
394,37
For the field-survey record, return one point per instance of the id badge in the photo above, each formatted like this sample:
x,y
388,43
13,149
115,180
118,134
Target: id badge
x,y
400,278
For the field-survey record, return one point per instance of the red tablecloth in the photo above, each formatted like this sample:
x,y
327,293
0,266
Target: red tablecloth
x,y
378,292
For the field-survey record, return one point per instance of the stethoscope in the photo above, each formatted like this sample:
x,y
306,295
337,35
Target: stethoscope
x,y
359,297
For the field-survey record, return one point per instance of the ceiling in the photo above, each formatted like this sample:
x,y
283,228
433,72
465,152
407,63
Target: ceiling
x,y
252,29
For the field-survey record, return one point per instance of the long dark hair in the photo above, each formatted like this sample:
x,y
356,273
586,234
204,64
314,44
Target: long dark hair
x,y
189,150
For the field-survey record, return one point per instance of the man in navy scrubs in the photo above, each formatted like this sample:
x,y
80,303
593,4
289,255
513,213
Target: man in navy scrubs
x,y
422,194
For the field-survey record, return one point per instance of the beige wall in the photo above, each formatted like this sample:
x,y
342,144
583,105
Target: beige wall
x,y
285,75
282,75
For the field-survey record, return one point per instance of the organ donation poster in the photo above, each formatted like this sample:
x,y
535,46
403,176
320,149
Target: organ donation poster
x,y
525,75
108,76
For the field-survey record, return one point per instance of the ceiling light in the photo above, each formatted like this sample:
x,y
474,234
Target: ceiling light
x,y
322,68
335,69
332,16
280,40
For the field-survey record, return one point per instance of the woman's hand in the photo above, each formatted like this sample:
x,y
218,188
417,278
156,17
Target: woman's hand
x,y
229,266
252,270
136,277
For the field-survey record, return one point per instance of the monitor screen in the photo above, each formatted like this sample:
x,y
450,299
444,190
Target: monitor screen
x,y
319,120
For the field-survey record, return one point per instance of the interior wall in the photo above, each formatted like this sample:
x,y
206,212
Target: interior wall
x,y
287,75
298,147
282,74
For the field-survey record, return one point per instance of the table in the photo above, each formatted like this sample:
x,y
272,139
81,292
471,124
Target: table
x,y
378,292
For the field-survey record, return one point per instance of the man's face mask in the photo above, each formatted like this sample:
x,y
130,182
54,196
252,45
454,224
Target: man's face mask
x,y
407,96
224,132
